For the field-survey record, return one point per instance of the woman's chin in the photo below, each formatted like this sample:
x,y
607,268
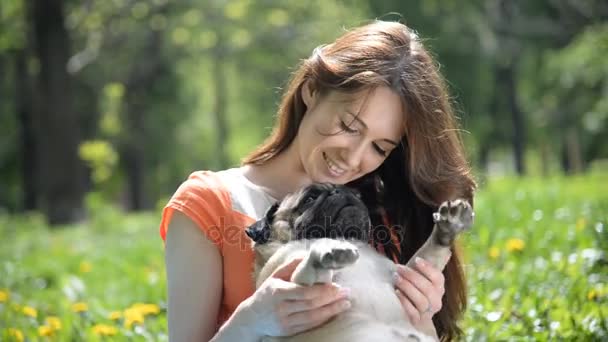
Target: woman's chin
x,y
323,178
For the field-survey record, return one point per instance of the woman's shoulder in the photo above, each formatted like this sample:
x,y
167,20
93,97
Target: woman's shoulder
x,y
204,185
203,179
203,197
228,188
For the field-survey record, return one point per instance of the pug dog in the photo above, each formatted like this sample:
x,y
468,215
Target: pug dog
x,y
329,227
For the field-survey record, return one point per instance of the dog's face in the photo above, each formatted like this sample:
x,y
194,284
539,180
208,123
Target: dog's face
x,y
319,210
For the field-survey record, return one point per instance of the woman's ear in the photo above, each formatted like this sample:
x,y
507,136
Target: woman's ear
x,y
308,94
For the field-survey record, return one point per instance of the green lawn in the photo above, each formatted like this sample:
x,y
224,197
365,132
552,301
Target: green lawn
x,y
535,259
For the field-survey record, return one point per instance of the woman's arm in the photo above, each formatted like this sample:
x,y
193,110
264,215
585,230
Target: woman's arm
x,y
194,281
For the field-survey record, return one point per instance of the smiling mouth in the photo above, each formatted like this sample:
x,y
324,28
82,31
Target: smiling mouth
x,y
334,169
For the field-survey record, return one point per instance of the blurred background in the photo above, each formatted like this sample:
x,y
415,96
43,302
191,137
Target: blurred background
x,y
125,98
107,106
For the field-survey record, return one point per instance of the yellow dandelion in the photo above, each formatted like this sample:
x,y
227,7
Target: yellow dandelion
x,y
53,322
146,309
104,330
133,316
580,223
80,307
115,315
494,252
4,296
515,245
29,311
592,295
15,334
85,267
45,330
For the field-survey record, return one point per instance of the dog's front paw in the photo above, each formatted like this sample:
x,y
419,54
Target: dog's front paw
x,y
333,254
452,218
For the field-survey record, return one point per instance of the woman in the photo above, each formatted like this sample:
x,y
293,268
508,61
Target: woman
x,y
369,110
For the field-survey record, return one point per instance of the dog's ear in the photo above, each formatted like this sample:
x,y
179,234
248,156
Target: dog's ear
x,y
260,230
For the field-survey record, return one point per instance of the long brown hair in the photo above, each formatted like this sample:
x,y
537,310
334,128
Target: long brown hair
x,y
428,167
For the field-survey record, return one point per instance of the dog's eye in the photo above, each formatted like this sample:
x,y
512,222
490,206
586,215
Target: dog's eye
x,y
309,200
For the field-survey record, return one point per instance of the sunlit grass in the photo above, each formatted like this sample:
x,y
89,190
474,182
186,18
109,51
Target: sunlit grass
x,y
535,260
82,283
537,264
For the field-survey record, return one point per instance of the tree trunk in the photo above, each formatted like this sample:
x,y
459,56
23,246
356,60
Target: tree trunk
x,y
574,156
506,77
61,171
484,156
220,111
28,145
143,74
519,131
545,153
133,154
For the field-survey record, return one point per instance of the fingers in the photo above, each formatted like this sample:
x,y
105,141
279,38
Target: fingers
x,y
314,297
411,289
408,307
430,272
311,306
299,292
284,271
304,320
423,287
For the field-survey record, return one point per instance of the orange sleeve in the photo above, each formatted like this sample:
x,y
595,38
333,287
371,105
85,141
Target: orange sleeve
x,y
204,199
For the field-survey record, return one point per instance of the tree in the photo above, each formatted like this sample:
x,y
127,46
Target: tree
x,y
61,171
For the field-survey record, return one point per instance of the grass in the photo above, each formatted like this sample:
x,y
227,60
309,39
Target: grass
x,y
535,259
108,268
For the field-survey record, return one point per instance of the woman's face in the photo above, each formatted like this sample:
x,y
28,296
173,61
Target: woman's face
x,y
344,136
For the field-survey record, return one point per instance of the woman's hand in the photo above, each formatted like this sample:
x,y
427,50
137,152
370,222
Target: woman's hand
x,y
420,291
282,308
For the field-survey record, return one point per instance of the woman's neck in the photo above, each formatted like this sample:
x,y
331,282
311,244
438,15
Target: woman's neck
x,y
279,176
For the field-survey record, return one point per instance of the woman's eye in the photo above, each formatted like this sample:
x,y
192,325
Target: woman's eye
x,y
347,128
380,150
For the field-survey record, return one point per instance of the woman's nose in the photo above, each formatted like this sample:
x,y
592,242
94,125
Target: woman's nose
x,y
353,156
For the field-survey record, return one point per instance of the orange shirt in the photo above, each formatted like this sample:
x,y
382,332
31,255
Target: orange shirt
x,y
223,204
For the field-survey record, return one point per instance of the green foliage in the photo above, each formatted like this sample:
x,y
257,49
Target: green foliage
x,y
535,261
100,157
12,25
110,123
155,80
578,73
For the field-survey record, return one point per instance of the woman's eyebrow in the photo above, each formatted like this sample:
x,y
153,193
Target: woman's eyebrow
x,y
356,118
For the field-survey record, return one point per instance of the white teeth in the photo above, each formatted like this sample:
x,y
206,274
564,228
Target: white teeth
x,y
335,169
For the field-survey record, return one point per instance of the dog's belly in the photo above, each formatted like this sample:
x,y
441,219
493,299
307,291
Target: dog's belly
x,y
376,313
356,328
372,287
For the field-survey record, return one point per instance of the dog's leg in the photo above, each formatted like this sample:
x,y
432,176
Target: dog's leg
x,y
452,218
324,256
